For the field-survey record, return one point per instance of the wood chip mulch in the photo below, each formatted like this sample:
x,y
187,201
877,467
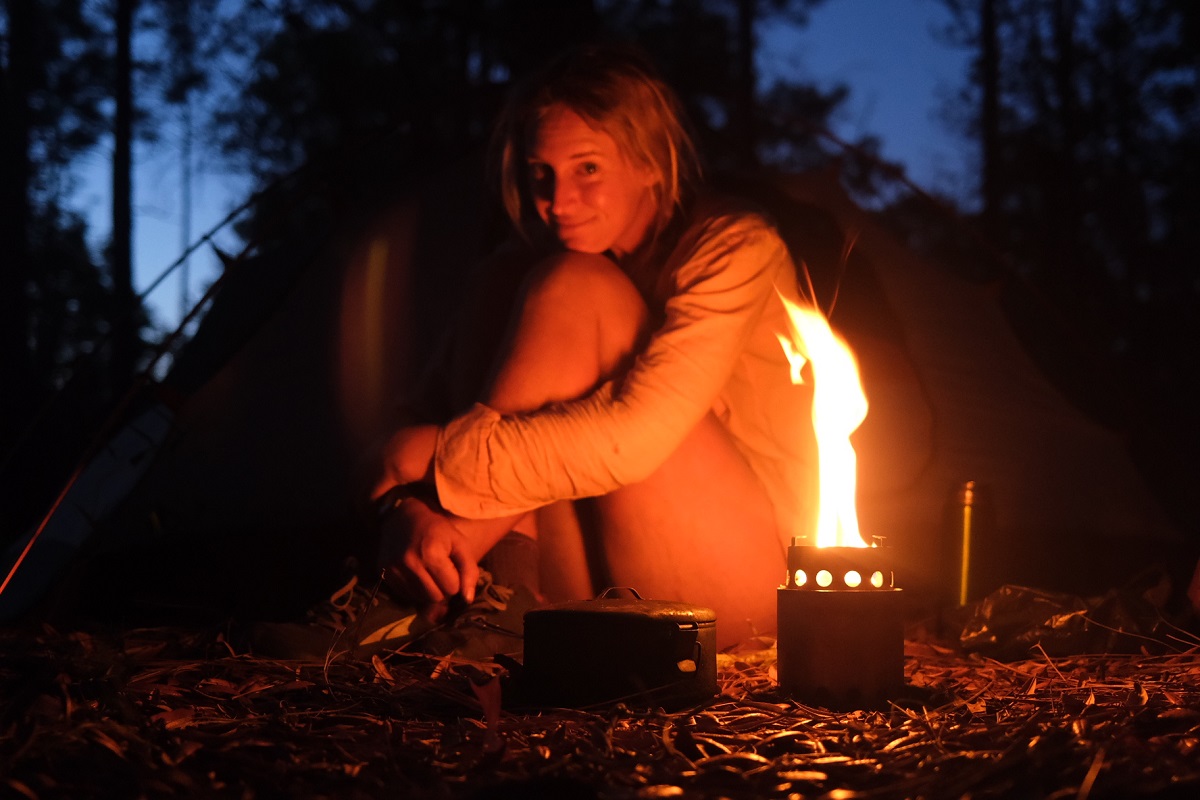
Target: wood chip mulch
x,y
165,713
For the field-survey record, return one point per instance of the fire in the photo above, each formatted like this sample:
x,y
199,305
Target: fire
x,y
839,407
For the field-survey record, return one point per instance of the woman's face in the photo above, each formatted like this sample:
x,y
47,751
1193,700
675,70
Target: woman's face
x,y
589,194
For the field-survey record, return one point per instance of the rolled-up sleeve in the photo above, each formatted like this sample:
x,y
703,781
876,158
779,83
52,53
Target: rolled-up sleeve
x,y
720,277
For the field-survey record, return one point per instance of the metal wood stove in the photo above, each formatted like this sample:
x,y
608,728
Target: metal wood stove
x,y
841,627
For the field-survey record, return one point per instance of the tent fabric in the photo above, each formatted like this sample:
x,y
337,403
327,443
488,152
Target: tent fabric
x,y
256,491
258,482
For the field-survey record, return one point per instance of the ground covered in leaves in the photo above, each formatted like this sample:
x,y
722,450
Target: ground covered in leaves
x,y
171,713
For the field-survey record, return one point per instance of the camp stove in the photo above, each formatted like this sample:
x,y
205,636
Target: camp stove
x,y
841,627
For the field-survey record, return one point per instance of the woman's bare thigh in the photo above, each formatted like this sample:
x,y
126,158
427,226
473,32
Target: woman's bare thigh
x,y
700,529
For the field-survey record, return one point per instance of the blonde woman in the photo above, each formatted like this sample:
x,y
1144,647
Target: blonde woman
x,y
642,374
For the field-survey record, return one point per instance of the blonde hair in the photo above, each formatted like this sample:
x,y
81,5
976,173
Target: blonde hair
x,y
615,89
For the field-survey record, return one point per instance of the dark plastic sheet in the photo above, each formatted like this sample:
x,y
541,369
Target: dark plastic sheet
x,y
1012,622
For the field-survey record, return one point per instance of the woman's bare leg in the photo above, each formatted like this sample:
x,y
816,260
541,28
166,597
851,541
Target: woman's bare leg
x,y
700,528
577,321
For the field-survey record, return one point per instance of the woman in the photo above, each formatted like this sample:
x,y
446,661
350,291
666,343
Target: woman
x,y
642,370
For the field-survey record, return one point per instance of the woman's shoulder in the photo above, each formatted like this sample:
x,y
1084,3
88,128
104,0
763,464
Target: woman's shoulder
x,y
726,235
717,220
714,213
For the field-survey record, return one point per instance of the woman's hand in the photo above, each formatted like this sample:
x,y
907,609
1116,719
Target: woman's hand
x,y
425,556
406,457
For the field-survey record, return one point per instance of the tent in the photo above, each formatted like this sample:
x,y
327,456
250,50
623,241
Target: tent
x,y
249,500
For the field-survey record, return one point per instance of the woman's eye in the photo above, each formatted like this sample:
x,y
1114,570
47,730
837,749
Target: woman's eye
x,y
589,168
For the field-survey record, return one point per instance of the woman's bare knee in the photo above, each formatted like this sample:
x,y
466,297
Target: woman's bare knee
x,y
592,289
579,322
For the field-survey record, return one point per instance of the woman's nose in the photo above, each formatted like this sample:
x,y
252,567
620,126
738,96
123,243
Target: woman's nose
x,y
562,195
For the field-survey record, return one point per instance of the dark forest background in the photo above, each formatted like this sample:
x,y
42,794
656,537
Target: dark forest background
x,y
1083,116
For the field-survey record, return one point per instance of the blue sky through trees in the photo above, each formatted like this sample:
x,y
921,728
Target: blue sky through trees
x,y
886,51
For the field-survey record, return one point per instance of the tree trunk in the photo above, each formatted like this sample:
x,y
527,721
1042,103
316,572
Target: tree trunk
x,y
15,362
1070,227
989,115
124,330
745,90
186,44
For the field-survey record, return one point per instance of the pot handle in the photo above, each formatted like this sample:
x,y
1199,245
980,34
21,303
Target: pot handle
x,y
612,590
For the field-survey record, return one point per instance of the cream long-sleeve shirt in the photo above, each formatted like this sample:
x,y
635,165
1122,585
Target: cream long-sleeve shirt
x,y
716,350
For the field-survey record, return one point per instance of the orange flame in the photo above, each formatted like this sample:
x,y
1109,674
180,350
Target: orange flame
x,y
839,407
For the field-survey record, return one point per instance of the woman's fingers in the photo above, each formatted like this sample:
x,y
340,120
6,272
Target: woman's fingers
x,y
432,580
439,576
436,560
468,571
